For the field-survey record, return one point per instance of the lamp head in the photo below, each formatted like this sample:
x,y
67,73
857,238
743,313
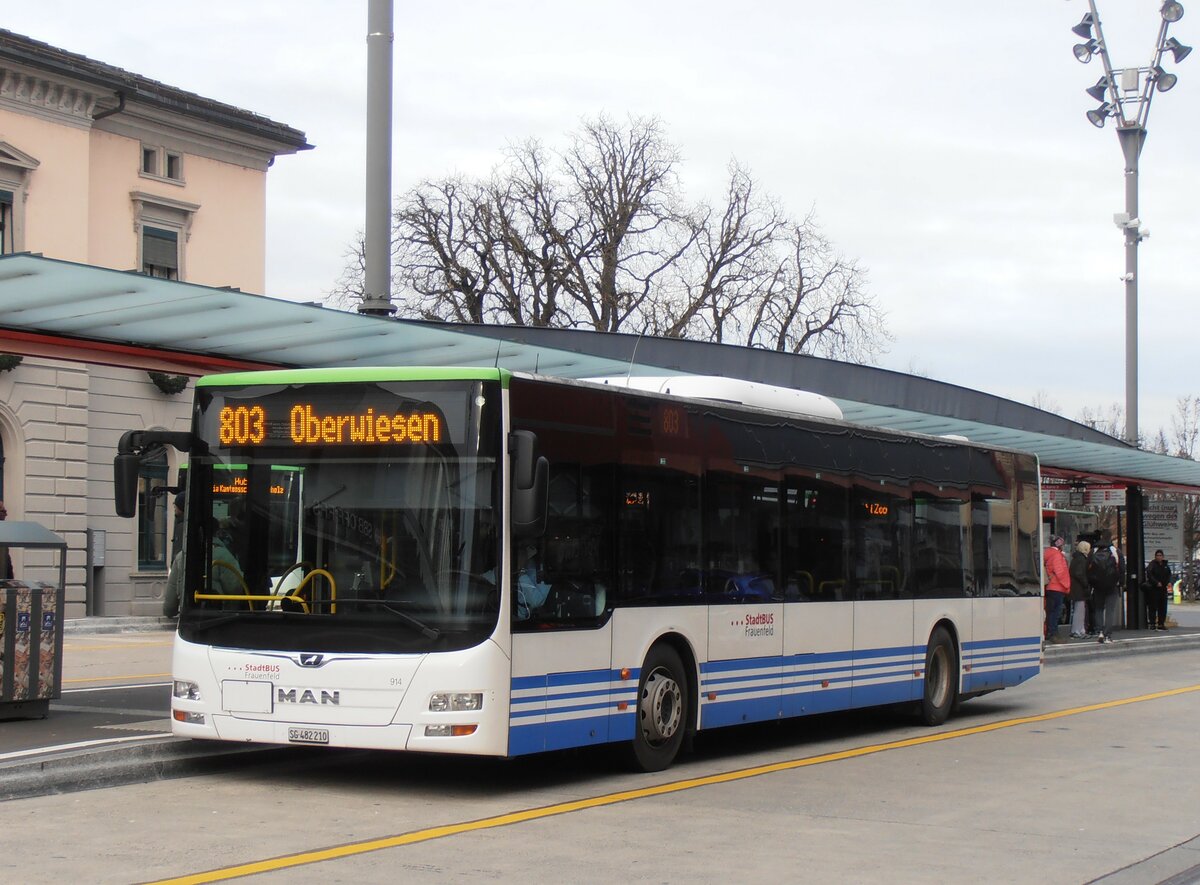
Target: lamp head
x,y
1178,51
1171,11
1164,81
1100,90
1098,115
1083,51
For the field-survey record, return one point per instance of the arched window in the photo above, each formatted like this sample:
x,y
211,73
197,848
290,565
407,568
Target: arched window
x,y
153,502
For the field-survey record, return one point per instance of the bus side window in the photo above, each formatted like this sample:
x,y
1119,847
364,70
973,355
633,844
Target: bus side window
x,y
815,532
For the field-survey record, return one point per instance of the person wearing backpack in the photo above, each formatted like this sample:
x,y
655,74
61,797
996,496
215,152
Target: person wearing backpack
x,y
1104,577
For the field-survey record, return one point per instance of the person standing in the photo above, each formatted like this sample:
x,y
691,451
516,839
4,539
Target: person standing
x,y
1080,590
1058,585
1104,577
1158,579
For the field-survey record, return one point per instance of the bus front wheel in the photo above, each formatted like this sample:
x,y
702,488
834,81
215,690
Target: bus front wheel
x,y
941,678
662,710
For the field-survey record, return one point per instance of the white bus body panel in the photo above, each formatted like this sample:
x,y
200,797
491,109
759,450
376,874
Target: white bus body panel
x,y
818,664
742,681
347,699
884,652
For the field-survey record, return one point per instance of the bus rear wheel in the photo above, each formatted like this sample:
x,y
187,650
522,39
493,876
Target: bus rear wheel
x,y
941,678
662,710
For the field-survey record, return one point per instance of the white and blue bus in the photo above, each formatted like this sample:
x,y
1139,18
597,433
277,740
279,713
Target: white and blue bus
x,y
502,564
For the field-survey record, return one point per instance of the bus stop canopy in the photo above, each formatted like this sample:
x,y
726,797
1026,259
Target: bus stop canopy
x,y
47,304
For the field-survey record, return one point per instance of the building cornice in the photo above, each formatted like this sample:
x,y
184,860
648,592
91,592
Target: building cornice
x,y
72,86
55,100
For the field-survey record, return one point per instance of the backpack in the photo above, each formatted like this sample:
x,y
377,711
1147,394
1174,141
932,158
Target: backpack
x,y
1102,570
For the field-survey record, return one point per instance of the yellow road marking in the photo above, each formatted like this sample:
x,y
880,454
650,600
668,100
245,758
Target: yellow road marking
x,y
517,817
139,677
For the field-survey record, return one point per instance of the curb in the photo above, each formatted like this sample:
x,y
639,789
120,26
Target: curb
x,y
1136,645
116,625
161,759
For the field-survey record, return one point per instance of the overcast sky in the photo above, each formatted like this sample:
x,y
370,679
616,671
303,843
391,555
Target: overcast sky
x,y
941,144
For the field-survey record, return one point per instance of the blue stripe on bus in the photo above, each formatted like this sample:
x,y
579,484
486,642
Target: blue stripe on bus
x,y
752,689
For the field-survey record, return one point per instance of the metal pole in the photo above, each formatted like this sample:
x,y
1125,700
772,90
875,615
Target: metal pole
x,y
1135,605
377,293
1132,138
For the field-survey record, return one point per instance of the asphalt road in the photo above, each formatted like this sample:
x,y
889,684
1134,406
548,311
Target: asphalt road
x,y
1087,772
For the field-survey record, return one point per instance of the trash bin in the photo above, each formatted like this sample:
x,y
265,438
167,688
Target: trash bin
x,y
31,628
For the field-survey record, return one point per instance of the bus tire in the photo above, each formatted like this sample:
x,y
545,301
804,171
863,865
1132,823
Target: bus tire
x,y
662,711
941,678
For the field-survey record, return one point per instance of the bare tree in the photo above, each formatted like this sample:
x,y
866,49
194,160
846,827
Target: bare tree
x,y
347,293
1042,400
732,257
599,237
1110,420
817,303
632,225
1185,443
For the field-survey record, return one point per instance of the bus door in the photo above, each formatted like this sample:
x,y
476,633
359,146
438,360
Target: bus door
x,y
742,681
993,587
885,654
562,639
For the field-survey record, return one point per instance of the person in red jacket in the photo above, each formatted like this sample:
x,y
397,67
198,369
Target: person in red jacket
x,y
1058,585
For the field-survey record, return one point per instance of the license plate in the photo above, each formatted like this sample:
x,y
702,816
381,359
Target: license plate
x,y
308,735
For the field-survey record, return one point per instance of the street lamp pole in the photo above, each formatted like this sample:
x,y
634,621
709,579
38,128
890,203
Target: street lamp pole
x,y
1125,95
1132,138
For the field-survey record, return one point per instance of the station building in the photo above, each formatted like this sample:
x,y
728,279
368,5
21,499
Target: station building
x,y
110,169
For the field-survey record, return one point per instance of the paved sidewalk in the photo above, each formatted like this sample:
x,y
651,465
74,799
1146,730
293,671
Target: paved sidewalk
x,y
1124,642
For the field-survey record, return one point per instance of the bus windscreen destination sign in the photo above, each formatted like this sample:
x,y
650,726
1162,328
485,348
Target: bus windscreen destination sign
x,y
309,418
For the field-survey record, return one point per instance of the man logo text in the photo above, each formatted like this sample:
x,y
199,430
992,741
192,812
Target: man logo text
x,y
307,696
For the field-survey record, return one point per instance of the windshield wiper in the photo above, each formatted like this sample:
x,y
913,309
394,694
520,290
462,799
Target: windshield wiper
x,y
427,631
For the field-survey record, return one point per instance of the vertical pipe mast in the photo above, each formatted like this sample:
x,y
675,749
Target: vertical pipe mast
x,y
377,293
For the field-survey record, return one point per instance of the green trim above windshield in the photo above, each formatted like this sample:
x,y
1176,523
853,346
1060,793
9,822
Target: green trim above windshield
x,y
357,374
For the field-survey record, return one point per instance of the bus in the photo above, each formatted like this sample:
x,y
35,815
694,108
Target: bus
x,y
499,564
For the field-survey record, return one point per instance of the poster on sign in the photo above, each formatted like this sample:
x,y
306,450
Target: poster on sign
x,y
1162,525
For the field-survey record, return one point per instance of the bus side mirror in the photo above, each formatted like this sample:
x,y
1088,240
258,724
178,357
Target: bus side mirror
x,y
125,479
530,485
128,460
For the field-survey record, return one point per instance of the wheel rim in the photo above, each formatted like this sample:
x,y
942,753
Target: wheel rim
x,y
660,708
939,669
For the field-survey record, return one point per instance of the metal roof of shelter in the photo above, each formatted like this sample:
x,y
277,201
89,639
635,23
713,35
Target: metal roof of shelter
x,y
40,296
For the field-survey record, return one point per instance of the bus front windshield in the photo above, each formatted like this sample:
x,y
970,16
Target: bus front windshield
x,y
344,516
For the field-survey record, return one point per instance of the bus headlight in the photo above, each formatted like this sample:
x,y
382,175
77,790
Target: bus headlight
x,y
456,702
450,730
187,691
